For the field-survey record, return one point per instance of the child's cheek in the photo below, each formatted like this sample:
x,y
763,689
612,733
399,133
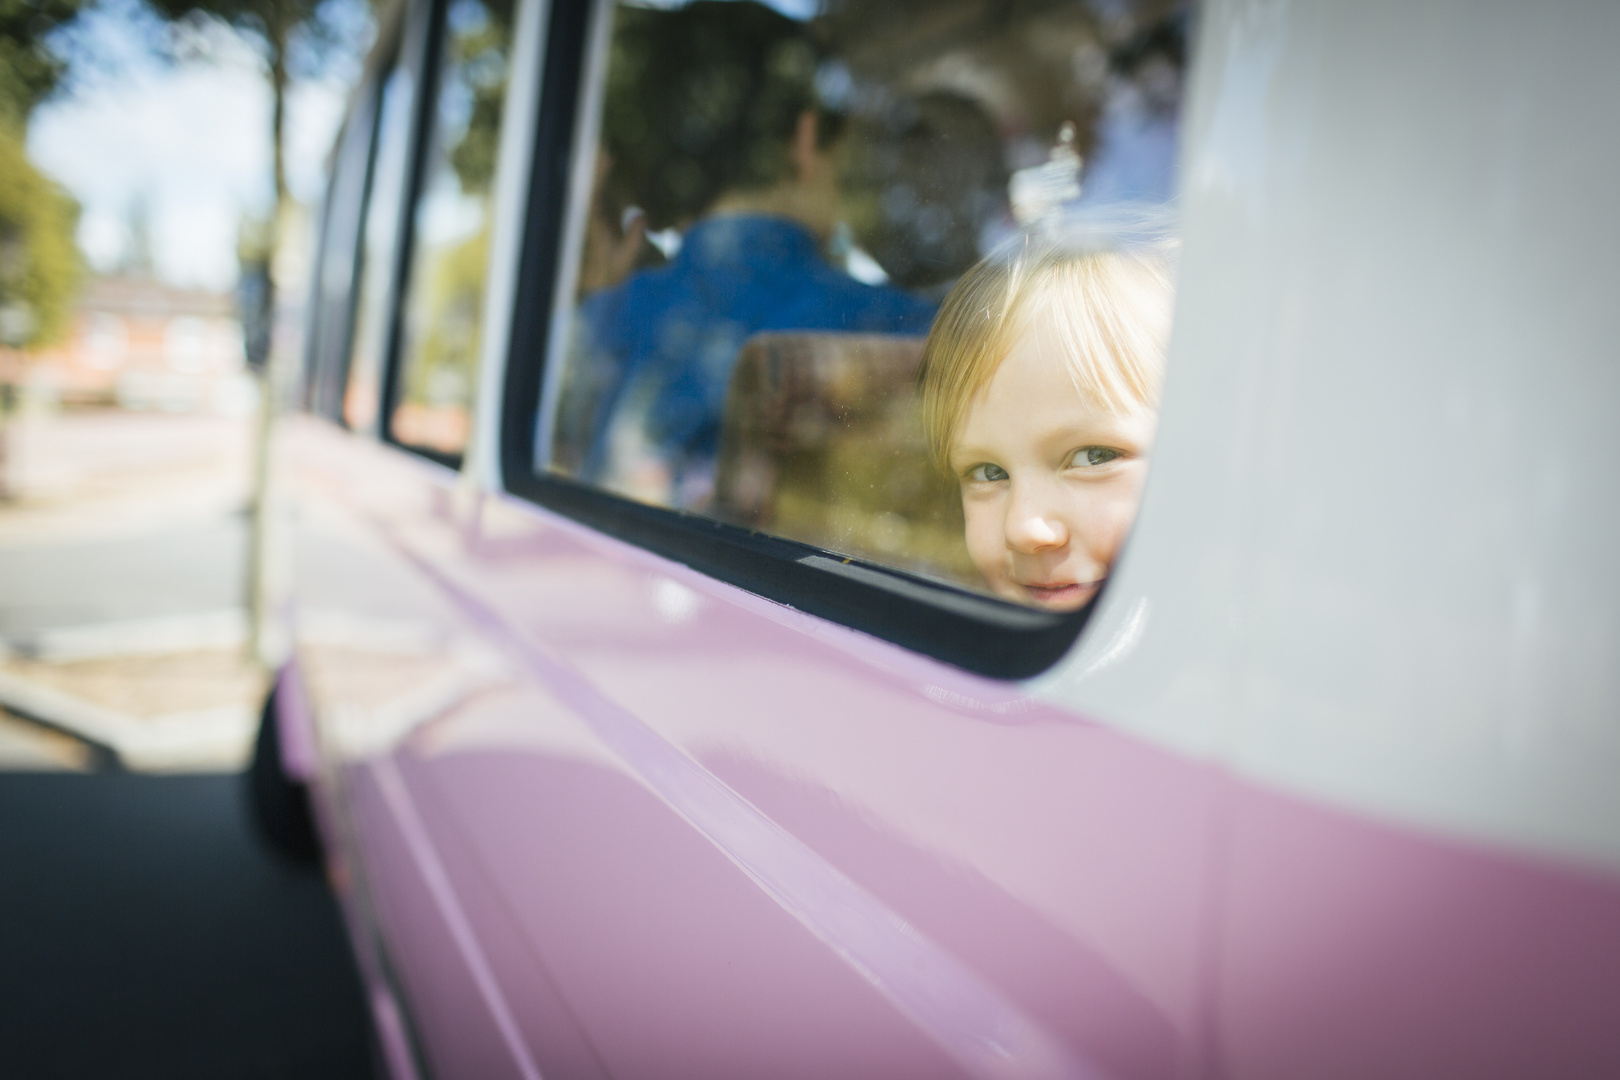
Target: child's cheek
x,y
1113,518
984,535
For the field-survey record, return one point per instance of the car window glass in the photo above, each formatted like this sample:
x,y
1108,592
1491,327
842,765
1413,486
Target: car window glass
x,y
443,303
893,281
379,248
340,237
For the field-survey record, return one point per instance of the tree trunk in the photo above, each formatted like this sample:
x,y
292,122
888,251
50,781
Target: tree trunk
x,y
260,645
276,35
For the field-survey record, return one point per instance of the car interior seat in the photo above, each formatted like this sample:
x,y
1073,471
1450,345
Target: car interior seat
x,y
822,442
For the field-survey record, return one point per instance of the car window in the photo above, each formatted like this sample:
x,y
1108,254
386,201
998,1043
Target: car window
x,y
891,281
379,248
333,313
443,301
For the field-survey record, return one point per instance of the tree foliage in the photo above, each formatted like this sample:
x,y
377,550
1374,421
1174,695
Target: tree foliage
x,y
39,264
29,70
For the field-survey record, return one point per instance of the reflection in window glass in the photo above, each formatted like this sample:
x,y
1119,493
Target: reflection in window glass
x,y
444,299
383,209
340,239
894,286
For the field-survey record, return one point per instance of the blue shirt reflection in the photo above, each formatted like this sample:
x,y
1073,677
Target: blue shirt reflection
x,y
666,339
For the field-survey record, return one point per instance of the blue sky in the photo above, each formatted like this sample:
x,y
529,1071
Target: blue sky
x,y
189,137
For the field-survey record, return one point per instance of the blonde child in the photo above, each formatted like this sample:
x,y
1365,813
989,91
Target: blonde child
x,y
1040,395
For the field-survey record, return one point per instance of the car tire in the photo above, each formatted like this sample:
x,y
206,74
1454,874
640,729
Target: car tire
x,y
278,804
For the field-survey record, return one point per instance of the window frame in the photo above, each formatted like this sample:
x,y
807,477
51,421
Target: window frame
x,y
981,634
431,61
407,39
421,47
330,325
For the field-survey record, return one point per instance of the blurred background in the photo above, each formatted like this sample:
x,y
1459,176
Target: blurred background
x,y
158,165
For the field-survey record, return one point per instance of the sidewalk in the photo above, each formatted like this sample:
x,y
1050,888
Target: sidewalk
x,y
30,747
121,563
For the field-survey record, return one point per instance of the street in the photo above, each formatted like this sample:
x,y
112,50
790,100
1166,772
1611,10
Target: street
x,y
144,932
116,516
122,550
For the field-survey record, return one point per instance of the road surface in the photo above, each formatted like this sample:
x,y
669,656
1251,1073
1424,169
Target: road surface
x,y
143,932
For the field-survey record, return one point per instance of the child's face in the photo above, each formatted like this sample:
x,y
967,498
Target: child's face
x,y
1050,480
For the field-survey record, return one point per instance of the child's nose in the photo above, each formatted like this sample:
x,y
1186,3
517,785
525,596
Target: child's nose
x,y
1032,522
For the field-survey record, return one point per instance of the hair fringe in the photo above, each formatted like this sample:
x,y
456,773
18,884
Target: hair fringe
x,y
1110,286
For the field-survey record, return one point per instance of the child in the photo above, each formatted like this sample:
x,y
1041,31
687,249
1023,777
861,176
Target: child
x,y
1040,395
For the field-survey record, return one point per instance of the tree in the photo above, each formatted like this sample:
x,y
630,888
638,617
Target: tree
x,y
29,69
39,264
284,31
271,24
275,26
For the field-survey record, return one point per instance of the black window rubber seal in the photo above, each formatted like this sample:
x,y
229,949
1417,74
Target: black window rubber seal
x,y
423,120
980,634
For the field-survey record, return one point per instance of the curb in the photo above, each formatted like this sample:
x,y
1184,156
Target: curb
x,y
211,739
199,740
194,631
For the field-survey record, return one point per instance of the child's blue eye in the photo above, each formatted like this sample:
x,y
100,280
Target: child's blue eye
x,y
986,473
1092,455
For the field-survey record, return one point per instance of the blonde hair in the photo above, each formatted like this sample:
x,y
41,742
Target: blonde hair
x,y
1111,311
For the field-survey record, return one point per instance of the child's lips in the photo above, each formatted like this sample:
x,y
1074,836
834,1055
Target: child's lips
x,y
1068,595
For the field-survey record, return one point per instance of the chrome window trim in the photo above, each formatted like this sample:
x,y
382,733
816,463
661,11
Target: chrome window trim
x,y
481,466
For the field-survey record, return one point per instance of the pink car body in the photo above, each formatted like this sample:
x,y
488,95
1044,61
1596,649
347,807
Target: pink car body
x,y
1328,785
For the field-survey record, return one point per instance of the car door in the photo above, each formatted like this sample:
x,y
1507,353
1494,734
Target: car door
x,y
378,648
626,790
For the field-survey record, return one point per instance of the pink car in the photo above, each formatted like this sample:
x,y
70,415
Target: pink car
x,y
659,721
